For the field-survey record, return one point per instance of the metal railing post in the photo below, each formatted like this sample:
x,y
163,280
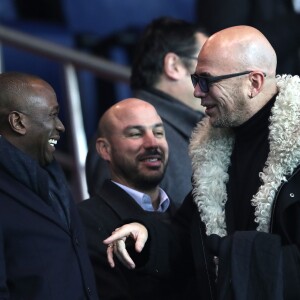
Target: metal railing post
x,y
79,142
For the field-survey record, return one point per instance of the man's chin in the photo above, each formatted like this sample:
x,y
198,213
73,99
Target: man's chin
x,y
150,181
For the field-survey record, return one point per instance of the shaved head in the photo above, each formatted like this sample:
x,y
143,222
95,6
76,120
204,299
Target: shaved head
x,y
132,140
123,110
243,51
239,48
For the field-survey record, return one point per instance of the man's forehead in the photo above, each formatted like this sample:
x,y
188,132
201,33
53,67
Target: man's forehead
x,y
212,63
137,115
41,101
144,126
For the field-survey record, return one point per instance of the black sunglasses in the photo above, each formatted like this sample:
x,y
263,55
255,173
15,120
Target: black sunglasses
x,y
205,81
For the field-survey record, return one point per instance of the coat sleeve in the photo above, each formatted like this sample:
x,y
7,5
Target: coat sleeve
x,y
106,277
170,250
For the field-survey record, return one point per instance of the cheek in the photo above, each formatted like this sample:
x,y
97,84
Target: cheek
x,y
128,147
164,147
224,96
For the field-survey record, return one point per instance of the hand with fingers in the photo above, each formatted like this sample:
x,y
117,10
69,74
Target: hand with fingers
x,y
117,243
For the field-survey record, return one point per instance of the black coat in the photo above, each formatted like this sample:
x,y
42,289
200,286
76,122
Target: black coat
x,y
283,242
179,121
101,215
41,257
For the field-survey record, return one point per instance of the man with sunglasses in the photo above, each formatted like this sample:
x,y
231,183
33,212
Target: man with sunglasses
x,y
242,218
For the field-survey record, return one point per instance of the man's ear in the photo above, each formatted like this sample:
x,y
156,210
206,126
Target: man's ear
x,y
173,67
257,80
17,122
103,148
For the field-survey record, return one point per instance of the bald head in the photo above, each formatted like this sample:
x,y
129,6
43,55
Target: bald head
x,y
132,140
122,112
239,48
238,67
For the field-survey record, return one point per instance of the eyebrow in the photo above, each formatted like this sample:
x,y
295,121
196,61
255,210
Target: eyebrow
x,y
140,127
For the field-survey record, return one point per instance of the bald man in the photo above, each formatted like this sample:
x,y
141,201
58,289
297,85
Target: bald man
x,y
43,254
166,56
131,139
246,181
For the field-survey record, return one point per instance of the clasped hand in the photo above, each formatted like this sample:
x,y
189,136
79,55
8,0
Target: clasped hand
x,y
116,243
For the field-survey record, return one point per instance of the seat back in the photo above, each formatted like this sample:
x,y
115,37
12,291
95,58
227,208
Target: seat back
x,y
106,17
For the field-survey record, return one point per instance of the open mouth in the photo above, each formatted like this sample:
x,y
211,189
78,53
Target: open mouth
x,y
152,159
52,142
209,108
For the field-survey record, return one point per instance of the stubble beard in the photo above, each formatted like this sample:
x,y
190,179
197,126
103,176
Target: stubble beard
x,y
231,119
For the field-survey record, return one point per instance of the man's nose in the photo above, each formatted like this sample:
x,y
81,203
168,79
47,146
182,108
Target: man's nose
x,y
150,141
198,93
60,126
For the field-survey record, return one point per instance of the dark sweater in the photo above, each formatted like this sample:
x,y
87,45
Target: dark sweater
x,y
247,161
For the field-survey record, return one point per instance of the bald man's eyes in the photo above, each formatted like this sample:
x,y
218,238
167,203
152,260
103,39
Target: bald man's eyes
x,y
158,132
134,134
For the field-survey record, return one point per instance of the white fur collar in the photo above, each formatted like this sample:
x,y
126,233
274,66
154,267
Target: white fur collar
x,y
211,148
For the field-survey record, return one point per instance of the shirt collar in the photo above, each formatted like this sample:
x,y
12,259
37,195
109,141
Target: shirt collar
x,y
144,200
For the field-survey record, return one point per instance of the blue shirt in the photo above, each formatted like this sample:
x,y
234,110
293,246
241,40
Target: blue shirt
x,y
144,200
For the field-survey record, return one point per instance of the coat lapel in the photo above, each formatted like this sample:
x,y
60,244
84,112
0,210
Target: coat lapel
x,y
23,195
119,201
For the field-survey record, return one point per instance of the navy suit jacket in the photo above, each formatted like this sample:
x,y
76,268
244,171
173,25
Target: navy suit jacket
x,y
41,258
110,208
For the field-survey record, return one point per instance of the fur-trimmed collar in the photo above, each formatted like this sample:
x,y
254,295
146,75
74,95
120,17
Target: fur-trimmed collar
x,y
211,148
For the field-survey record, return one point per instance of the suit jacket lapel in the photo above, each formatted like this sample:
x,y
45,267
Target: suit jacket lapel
x,y
119,201
22,194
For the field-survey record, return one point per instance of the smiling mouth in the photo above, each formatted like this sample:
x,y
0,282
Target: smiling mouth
x,y
152,159
52,142
209,106
152,163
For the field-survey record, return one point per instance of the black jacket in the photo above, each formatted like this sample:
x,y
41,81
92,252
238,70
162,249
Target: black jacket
x,y
110,208
272,263
42,256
